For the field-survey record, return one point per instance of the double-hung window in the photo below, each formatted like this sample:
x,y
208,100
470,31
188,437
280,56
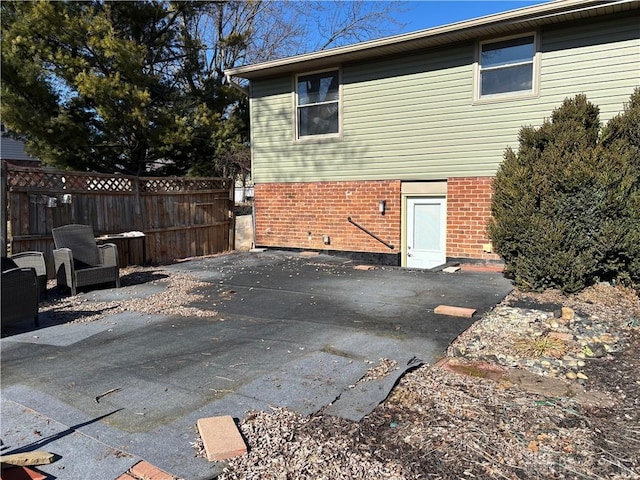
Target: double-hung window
x,y
318,104
507,67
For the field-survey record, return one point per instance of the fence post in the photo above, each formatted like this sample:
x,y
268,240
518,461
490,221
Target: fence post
x,y
232,215
140,222
3,207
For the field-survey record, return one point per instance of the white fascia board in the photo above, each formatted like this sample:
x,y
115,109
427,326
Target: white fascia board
x,y
450,33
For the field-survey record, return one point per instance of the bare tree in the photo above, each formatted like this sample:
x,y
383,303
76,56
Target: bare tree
x,y
235,32
339,22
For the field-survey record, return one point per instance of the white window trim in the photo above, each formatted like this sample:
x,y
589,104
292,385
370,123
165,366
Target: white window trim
x,y
327,136
507,96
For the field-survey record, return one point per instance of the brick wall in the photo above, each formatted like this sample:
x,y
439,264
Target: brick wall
x,y
468,211
297,215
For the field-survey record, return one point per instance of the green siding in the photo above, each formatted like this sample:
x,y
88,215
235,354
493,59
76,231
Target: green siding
x,y
413,117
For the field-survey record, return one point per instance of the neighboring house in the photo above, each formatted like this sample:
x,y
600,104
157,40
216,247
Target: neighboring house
x,y
403,135
242,194
12,151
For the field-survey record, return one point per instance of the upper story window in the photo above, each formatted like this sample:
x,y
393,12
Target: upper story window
x,y
318,104
507,67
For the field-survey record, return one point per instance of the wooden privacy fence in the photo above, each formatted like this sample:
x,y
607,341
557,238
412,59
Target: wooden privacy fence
x,y
179,217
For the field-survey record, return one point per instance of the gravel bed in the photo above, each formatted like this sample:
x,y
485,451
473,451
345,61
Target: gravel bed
x,y
179,289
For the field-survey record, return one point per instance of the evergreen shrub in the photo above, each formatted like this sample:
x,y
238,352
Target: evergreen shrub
x,y
566,205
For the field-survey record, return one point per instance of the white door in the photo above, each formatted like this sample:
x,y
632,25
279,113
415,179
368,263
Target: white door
x,y
426,232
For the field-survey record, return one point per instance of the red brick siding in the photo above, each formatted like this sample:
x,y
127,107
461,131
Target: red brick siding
x,y
287,212
468,211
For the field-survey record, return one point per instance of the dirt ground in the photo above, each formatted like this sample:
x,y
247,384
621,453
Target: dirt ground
x,y
437,424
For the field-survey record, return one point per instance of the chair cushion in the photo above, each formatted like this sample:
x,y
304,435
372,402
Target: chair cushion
x,y
95,275
19,294
81,241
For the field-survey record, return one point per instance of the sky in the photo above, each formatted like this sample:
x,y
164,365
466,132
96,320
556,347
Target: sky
x,y
419,15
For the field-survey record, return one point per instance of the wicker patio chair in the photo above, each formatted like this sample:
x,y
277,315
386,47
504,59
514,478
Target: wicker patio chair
x,y
19,295
80,261
36,261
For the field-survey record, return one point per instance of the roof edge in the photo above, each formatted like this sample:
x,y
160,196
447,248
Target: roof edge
x,y
545,10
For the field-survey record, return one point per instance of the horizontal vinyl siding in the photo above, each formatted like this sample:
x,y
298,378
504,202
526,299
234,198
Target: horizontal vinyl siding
x,y
605,72
413,117
271,124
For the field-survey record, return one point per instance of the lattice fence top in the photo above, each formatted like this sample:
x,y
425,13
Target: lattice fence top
x,y
182,184
20,177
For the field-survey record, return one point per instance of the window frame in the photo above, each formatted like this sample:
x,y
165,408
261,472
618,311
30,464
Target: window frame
x,y
297,107
513,95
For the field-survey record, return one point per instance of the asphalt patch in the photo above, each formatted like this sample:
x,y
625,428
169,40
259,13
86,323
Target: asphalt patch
x,y
359,400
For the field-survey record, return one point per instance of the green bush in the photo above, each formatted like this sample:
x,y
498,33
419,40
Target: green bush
x,y
566,205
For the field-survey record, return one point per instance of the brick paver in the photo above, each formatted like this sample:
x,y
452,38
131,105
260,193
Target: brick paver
x,y
454,311
145,471
221,438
